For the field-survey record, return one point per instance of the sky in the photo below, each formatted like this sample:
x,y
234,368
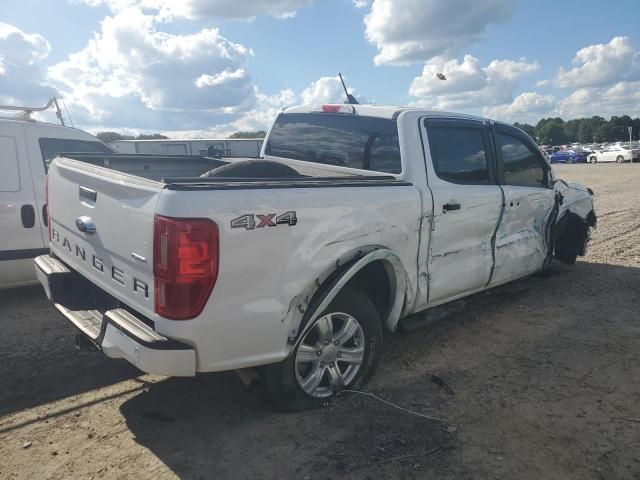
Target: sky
x,y
203,68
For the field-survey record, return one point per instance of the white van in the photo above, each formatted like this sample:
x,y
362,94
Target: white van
x,y
26,149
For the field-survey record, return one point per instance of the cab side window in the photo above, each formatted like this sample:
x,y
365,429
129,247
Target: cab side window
x,y
10,178
522,164
459,152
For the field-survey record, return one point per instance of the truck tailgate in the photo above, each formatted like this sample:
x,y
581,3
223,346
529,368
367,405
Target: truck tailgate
x,y
102,226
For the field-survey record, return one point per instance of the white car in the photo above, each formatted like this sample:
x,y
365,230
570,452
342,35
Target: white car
x,y
614,153
26,148
357,220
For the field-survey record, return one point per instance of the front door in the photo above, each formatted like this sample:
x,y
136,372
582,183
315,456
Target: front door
x,y
467,203
521,244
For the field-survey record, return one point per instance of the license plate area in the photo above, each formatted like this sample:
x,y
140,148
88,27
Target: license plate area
x,y
71,290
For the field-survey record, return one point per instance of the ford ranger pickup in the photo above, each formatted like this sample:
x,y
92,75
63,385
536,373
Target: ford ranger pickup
x,y
355,219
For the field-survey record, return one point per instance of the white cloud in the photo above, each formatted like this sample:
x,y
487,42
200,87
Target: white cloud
x,y
618,99
132,75
22,80
468,84
601,65
528,106
542,83
327,90
406,31
361,3
241,9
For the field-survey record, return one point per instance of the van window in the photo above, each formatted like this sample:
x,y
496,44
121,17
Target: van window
x,y
10,178
367,143
51,147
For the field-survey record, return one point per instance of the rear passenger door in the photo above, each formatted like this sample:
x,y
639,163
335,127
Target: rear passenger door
x,y
467,202
524,175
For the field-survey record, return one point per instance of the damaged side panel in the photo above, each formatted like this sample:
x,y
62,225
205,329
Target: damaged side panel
x,y
521,239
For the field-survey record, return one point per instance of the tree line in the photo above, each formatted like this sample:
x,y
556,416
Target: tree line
x,y
555,131
108,137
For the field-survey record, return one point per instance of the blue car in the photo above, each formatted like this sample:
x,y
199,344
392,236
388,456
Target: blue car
x,y
568,156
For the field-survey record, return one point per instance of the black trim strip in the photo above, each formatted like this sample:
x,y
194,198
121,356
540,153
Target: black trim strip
x,y
22,254
244,185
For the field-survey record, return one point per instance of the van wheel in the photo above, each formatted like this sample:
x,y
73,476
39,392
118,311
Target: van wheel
x,y
620,159
340,350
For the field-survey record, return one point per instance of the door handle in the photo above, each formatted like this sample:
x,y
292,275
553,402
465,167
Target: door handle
x,y
450,206
28,215
45,215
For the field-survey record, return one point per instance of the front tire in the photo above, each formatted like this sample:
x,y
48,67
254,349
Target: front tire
x,y
620,159
340,350
593,159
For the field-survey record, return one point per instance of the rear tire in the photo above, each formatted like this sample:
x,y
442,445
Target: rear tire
x,y
620,159
334,353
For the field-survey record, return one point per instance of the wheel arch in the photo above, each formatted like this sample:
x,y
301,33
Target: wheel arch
x,y
361,272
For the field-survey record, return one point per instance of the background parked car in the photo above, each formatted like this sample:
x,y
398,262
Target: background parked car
x,y
615,153
568,156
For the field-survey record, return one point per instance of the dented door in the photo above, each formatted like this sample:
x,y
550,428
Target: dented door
x,y
521,242
467,204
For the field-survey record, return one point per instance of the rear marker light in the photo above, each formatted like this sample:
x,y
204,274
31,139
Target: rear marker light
x,y
185,265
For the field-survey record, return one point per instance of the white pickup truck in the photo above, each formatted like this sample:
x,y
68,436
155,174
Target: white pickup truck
x,y
356,218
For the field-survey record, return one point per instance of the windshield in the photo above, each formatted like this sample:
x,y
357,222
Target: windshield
x,y
367,143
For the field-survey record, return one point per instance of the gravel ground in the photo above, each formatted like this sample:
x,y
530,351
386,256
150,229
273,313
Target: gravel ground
x,y
542,384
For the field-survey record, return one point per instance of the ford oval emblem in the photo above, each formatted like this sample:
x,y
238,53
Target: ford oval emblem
x,y
86,225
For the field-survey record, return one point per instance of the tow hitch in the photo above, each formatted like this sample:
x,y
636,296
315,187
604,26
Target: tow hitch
x,y
83,343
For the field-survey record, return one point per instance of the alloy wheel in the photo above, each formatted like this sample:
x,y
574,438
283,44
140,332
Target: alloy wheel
x,y
329,355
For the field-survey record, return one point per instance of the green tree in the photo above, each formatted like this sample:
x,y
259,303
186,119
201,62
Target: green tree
x,y
153,136
258,134
571,129
108,137
605,133
528,129
551,130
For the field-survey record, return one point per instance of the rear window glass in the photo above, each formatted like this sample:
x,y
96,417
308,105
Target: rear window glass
x,y
51,147
352,141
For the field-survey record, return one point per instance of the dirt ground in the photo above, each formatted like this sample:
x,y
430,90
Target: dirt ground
x,y
543,384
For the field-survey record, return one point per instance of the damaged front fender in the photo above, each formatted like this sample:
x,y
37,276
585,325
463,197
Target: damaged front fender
x,y
576,215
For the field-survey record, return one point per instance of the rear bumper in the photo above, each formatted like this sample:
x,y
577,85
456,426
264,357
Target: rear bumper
x,y
111,328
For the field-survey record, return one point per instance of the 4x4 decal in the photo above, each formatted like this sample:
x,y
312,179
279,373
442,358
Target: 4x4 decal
x,y
253,221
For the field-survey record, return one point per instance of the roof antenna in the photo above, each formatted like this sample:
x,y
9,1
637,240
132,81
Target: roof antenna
x,y
350,98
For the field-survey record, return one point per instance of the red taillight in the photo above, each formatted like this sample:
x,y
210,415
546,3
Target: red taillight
x,y
185,265
46,206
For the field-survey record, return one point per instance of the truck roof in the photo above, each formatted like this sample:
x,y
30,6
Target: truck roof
x,y
38,124
380,111
182,140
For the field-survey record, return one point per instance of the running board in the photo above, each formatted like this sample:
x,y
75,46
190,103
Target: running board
x,y
426,318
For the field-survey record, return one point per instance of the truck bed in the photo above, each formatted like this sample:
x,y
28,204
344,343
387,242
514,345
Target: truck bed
x,y
185,172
